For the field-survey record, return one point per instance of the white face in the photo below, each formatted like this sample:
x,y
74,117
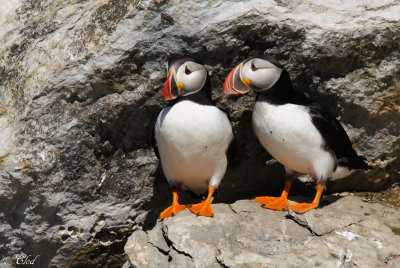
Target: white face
x,y
261,73
193,77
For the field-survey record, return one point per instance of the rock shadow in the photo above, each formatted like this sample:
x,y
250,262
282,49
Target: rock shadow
x,y
325,200
162,198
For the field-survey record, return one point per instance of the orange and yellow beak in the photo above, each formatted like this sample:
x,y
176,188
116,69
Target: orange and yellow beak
x,y
171,87
235,83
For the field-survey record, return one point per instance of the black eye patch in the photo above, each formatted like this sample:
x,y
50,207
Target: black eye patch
x,y
187,71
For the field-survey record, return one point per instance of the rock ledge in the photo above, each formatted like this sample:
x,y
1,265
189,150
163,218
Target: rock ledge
x,y
343,232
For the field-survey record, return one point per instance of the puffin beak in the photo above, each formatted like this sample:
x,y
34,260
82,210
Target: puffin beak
x,y
235,83
171,90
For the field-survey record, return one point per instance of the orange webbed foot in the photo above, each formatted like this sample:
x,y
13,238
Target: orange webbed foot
x,y
276,203
273,203
175,208
202,209
302,207
172,210
265,199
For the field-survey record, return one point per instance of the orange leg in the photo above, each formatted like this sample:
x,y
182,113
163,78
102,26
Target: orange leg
x,y
304,207
276,203
204,208
174,208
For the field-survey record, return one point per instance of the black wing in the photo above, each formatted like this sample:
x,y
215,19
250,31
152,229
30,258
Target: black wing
x,y
154,142
336,139
233,145
232,149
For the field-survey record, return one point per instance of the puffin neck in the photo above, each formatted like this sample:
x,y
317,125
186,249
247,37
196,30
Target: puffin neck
x,y
283,92
203,96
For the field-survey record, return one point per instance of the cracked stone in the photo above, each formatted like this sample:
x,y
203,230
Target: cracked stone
x,y
334,218
156,239
139,246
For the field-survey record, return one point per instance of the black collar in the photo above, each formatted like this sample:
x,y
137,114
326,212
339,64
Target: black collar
x,y
283,93
203,96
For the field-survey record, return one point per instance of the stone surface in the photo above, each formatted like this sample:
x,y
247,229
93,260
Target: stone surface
x,y
80,87
343,232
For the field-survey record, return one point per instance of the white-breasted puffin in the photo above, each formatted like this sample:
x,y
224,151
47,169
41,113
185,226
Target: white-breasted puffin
x,y
297,132
192,135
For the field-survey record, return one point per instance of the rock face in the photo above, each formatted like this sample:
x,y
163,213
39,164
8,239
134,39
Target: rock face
x,y
80,87
344,232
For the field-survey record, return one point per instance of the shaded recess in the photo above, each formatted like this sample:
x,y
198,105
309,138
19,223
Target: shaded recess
x,y
131,128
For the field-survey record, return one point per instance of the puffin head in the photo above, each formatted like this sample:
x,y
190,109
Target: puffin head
x,y
258,73
185,77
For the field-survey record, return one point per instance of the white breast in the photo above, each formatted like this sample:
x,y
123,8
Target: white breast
x,y
288,134
192,140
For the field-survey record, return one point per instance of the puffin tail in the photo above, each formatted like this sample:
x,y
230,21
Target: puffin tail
x,y
358,162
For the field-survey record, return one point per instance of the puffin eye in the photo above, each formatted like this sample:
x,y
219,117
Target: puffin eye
x,y
253,67
187,71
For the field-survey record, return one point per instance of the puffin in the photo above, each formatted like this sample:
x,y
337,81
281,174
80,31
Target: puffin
x,y
191,135
298,132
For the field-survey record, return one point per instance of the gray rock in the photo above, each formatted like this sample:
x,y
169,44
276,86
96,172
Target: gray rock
x,y
80,87
344,232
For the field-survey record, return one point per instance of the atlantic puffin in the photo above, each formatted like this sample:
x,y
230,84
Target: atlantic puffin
x,y
192,135
298,132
